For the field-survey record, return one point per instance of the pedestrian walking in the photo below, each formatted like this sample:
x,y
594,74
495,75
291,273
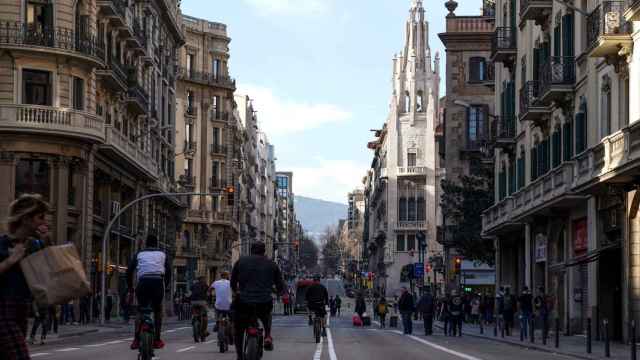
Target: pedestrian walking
x,y
52,318
407,308
426,306
509,309
338,304
40,321
382,309
541,308
456,313
108,307
475,309
525,304
84,310
361,305
445,316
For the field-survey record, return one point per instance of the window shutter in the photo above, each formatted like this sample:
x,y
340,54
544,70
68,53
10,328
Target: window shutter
x,y
474,69
557,40
568,141
521,171
534,163
556,148
580,132
567,35
502,184
536,62
512,177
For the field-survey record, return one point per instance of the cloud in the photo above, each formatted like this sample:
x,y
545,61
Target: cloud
x,y
329,180
277,116
290,7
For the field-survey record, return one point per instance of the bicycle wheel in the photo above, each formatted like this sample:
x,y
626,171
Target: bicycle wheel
x,y
222,337
251,351
146,346
316,330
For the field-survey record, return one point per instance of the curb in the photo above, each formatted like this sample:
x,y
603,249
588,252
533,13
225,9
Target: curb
x,y
524,345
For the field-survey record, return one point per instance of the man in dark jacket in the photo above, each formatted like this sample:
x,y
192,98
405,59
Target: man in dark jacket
x,y
456,311
525,302
426,306
407,308
252,280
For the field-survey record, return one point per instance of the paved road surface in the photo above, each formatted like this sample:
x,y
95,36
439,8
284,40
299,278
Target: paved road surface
x,y
294,341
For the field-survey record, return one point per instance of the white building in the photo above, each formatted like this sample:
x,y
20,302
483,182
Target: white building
x,y
404,200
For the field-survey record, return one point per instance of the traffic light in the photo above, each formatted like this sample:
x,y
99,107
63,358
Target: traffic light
x,y
231,197
457,264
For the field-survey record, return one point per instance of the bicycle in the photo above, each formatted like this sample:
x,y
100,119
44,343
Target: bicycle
x,y
254,338
225,335
199,326
317,327
147,334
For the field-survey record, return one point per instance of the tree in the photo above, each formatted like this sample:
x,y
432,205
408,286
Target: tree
x,y
462,204
308,253
330,251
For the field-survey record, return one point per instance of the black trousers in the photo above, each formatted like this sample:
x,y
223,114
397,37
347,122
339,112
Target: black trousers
x,y
242,314
150,293
428,323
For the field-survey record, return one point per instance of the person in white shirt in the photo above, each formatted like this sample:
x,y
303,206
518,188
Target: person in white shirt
x,y
222,290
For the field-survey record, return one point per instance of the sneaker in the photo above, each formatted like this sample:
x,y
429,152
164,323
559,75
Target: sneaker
x,y
135,345
158,344
268,343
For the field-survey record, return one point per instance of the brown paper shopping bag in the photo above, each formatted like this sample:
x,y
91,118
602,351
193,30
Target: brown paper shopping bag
x,y
55,275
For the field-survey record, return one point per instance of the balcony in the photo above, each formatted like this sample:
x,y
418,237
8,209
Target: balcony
x,y
219,116
119,145
536,10
216,183
505,132
546,195
633,10
614,160
55,40
139,39
530,107
114,75
411,225
205,78
191,110
217,149
608,32
504,45
190,147
201,216
558,78
187,180
137,98
412,171
114,10
51,121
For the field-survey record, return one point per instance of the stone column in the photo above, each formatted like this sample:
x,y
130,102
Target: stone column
x,y
528,266
61,198
592,236
8,190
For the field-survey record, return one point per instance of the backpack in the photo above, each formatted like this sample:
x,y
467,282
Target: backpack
x,y
508,302
382,309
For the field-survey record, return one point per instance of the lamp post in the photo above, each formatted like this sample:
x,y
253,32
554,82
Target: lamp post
x,y
107,233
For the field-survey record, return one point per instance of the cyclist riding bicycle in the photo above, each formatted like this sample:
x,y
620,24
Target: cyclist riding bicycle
x,y
153,274
252,280
222,292
317,298
199,292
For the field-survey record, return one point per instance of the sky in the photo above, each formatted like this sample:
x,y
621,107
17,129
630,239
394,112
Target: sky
x,y
319,73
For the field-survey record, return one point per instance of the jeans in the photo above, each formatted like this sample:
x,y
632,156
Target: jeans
x,y
40,321
407,323
524,324
383,320
455,325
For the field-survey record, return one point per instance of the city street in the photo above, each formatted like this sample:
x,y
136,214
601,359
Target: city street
x,y
294,341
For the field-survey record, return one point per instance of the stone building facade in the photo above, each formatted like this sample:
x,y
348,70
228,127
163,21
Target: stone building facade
x,y
401,184
205,158
566,170
468,112
87,89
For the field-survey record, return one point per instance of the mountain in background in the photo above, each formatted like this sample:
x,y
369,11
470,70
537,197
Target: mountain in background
x,y
316,214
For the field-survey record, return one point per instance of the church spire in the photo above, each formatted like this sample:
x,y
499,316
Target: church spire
x,y
416,37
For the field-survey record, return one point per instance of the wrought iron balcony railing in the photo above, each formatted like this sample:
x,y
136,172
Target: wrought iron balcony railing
x,y
557,71
504,39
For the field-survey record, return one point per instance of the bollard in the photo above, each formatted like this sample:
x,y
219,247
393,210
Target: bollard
x,y
607,349
532,331
557,333
588,335
633,340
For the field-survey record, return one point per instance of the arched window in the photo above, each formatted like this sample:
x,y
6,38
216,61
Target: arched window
x,y
419,102
407,102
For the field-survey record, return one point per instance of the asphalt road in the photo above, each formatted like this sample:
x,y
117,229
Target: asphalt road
x,y
294,341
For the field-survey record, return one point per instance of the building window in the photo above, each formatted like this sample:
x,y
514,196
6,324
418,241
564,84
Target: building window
x,y
190,102
216,137
78,93
39,16
36,87
411,159
476,124
477,69
420,101
407,102
411,242
402,209
71,186
215,105
512,177
567,140
215,68
605,106
215,173
534,161
215,203
32,177
521,169
556,139
400,243
581,127
190,64
188,167
502,182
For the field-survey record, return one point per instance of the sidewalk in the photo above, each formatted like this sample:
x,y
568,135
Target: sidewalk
x,y
573,346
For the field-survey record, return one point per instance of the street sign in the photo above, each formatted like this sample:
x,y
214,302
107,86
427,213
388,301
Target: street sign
x,y
418,270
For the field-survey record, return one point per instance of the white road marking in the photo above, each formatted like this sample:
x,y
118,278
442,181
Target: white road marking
x,y
332,349
67,349
170,331
183,328
186,349
438,347
211,341
106,343
318,354
40,354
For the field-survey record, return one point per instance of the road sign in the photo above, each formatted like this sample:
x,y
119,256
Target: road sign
x,y
418,270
